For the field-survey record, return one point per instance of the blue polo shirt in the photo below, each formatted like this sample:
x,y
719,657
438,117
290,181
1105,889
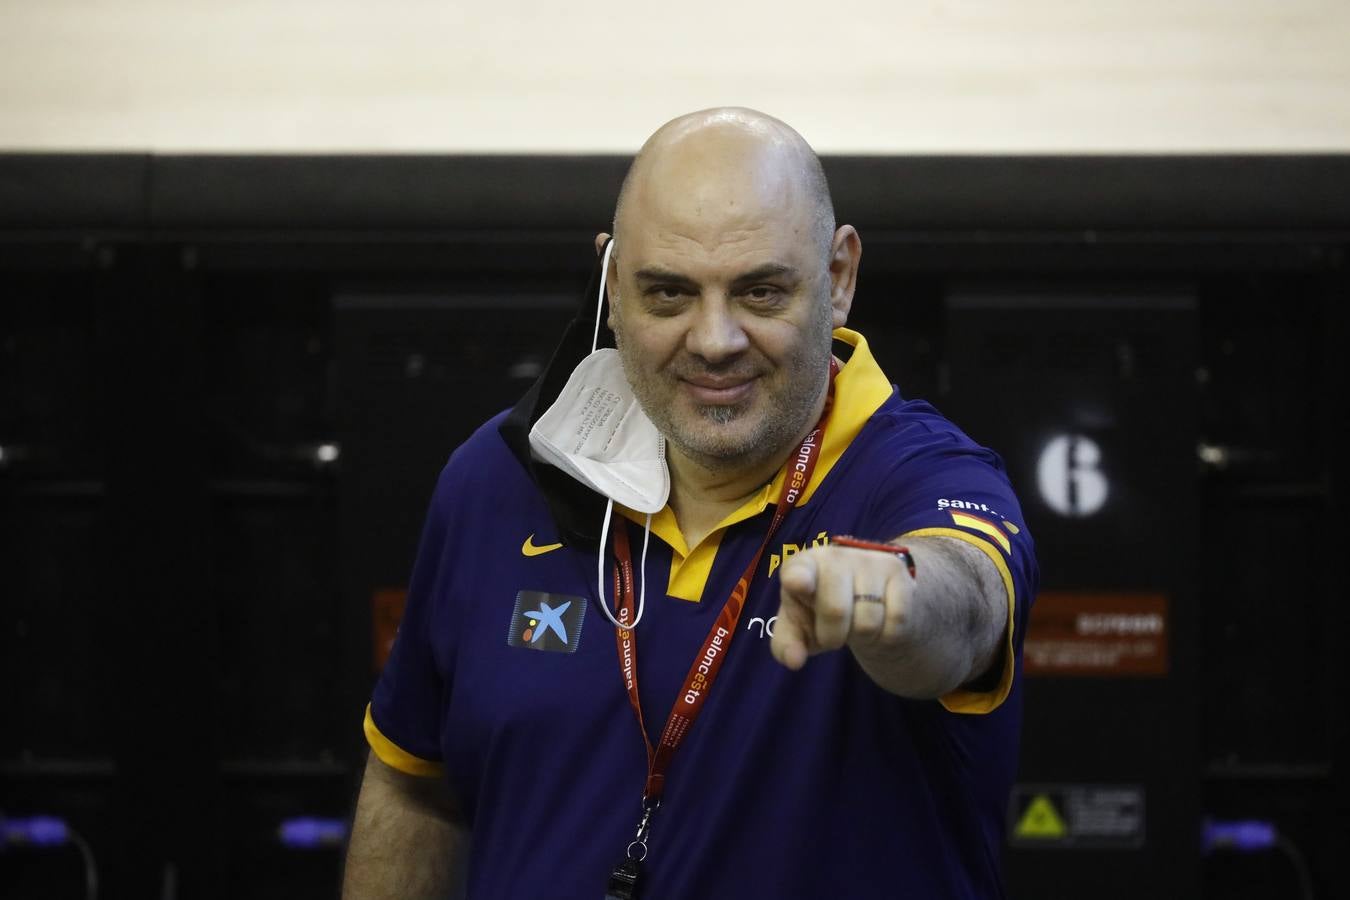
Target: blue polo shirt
x,y
505,680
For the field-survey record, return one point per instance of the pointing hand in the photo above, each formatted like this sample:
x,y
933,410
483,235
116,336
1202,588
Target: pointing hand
x,y
841,596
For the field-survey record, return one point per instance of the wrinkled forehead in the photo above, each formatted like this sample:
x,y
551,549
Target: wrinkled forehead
x,y
714,201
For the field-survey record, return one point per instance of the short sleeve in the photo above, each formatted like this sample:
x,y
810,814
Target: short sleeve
x,y
403,719
936,482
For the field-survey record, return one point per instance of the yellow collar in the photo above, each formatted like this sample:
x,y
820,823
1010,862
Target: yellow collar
x,y
859,390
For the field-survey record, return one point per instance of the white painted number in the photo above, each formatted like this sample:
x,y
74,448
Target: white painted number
x,y
1070,477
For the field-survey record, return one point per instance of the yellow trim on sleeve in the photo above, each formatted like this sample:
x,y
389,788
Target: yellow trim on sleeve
x,y
977,702
396,757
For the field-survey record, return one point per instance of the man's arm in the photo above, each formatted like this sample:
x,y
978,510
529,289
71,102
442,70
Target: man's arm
x,y
407,841
919,636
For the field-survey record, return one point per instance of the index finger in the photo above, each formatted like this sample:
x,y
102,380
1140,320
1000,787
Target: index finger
x,y
793,632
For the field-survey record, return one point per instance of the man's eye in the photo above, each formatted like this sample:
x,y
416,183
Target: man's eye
x,y
666,292
762,293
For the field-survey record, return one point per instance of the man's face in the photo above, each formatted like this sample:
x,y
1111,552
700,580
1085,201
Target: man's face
x,y
723,319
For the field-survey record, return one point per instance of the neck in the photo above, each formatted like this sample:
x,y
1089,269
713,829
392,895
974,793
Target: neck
x,y
697,481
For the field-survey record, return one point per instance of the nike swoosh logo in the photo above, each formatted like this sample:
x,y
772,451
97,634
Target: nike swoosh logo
x,y
530,549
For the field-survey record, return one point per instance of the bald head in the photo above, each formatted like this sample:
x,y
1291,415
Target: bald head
x,y
718,164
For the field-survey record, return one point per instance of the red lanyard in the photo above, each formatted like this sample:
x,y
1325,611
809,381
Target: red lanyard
x,y
708,662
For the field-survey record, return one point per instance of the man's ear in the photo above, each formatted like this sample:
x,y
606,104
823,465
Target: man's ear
x,y
845,256
600,242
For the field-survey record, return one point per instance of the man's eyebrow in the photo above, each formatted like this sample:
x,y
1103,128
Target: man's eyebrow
x,y
665,276
765,272
759,273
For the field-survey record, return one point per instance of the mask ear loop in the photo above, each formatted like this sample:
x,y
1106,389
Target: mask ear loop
x,y
609,503
642,591
600,301
600,570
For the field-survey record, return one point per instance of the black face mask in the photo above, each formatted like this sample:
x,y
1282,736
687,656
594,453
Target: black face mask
x,y
576,509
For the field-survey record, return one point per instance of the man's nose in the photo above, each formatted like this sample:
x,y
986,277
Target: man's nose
x,y
715,334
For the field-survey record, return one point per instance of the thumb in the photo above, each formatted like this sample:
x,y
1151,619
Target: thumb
x,y
793,633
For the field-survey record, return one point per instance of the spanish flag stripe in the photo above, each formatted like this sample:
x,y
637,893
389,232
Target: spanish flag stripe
x,y
984,526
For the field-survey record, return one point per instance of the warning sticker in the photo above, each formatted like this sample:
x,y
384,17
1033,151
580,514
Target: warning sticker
x,y
1107,634
1076,816
1040,821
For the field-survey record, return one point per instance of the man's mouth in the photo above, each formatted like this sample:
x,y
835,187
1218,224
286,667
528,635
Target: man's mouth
x,y
708,390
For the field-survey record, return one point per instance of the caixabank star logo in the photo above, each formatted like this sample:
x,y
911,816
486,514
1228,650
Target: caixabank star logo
x,y
543,621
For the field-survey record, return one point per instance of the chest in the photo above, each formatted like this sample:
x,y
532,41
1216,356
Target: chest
x,y
529,654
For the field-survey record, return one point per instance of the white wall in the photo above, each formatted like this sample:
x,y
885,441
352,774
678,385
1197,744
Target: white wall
x,y
859,76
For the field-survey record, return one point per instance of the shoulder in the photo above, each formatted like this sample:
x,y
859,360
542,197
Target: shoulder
x,y
480,472
481,494
923,473
912,433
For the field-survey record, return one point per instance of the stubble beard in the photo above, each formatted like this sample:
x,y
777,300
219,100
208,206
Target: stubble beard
x,y
785,405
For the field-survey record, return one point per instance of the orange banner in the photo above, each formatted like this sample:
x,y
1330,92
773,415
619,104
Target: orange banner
x,y
1102,634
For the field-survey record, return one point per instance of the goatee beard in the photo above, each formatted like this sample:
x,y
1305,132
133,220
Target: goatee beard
x,y
719,415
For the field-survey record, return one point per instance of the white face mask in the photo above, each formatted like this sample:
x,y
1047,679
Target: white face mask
x,y
597,432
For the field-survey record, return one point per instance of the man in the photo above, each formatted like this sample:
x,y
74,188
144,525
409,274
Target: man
x,y
823,716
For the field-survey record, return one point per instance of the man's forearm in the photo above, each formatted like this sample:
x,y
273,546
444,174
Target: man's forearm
x,y
953,624
406,839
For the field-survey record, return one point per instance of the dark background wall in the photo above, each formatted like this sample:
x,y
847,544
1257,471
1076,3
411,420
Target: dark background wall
x,y
227,384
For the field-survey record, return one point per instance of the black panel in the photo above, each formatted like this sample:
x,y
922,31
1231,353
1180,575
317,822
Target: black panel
x,y
1027,193
418,373
412,192
1114,365
270,398
904,321
73,190
279,622
51,393
363,193
52,649
1267,415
